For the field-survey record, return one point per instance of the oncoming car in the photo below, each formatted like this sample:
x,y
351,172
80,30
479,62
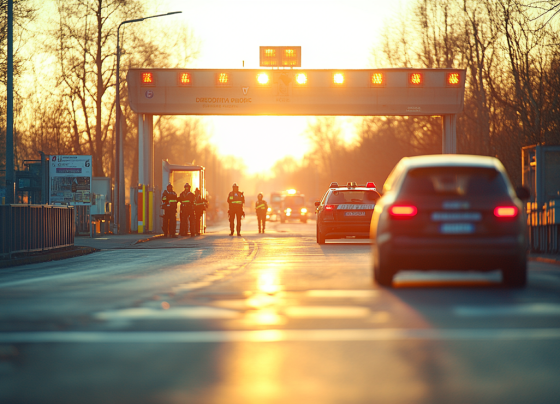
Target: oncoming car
x,y
293,207
449,212
345,211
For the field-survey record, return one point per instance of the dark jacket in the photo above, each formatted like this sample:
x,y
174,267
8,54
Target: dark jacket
x,y
186,199
169,201
236,200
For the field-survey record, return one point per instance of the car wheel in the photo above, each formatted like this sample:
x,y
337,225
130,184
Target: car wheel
x,y
320,235
515,275
383,273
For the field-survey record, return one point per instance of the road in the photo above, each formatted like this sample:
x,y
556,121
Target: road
x,y
271,318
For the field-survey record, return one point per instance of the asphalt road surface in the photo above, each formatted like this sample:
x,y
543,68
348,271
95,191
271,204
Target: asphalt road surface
x,y
271,318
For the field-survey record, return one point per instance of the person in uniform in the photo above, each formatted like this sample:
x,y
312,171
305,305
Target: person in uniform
x,y
186,199
200,205
235,201
261,207
169,205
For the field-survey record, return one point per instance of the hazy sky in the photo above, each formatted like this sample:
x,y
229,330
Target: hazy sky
x,y
332,34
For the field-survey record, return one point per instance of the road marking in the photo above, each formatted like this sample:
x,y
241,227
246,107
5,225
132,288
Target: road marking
x,y
283,335
530,309
146,313
331,293
326,312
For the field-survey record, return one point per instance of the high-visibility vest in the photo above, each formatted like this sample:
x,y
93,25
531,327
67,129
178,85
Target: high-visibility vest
x,y
236,199
261,205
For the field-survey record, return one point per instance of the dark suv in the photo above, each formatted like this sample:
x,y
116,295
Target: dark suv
x,y
449,212
345,211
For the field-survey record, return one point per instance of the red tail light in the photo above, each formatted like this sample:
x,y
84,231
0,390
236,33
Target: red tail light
x,y
330,207
370,185
403,211
506,211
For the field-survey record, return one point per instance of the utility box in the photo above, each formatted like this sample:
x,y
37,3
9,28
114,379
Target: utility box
x,y
541,172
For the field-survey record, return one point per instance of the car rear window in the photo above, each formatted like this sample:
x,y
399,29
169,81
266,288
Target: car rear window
x,y
353,196
458,181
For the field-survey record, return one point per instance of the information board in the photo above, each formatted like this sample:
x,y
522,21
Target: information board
x,y
70,180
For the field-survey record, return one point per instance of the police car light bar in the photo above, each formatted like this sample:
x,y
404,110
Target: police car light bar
x,y
370,185
334,185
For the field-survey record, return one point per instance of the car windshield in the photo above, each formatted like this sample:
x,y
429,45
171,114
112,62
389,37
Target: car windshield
x,y
275,198
292,201
454,181
353,196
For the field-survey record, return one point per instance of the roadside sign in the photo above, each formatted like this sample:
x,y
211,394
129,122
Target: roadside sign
x,y
70,180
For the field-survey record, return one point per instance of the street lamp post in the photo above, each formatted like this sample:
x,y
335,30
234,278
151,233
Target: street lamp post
x,y
119,206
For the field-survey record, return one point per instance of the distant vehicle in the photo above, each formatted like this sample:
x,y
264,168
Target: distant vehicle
x,y
274,206
293,207
345,211
449,212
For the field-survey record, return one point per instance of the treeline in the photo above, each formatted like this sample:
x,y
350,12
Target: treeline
x,y
511,52
65,83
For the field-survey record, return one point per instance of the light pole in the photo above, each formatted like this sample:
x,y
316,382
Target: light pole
x,y
119,206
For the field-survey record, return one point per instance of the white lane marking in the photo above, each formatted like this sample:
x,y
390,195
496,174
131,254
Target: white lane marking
x,y
530,309
326,312
342,293
282,335
146,313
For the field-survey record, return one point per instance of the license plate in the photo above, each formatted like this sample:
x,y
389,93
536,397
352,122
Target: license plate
x,y
456,228
456,216
355,214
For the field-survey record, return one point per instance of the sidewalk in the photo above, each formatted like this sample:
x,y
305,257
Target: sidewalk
x,y
547,258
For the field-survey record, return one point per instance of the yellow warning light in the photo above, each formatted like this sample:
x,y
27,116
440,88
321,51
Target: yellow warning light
x,y
269,56
262,78
185,79
416,79
453,79
147,78
377,79
223,80
338,78
301,78
290,57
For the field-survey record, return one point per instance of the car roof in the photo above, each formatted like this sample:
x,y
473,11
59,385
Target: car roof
x,y
346,188
452,160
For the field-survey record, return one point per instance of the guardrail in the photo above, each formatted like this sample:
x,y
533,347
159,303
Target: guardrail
x,y
544,226
31,228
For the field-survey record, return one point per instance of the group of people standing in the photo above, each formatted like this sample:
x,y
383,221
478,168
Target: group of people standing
x,y
193,206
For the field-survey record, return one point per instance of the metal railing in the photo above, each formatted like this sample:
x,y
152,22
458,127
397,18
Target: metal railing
x,y
31,228
544,226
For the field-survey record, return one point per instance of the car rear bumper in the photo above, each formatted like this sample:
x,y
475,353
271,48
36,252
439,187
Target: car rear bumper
x,y
453,253
334,230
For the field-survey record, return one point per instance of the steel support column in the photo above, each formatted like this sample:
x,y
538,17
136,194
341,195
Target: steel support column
x,y
146,157
10,197
449,134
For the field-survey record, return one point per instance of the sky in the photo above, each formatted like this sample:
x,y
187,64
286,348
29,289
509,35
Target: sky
x,y
333,34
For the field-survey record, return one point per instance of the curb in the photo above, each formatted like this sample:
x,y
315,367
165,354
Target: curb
x,y
145,240
545,260
49,256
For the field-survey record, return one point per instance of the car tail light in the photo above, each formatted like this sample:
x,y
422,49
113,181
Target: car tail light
x,y
403,211
506,212
330,207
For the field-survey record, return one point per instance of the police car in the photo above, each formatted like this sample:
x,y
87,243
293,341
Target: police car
x,y
345,211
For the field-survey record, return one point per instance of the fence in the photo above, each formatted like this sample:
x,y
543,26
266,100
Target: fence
x,y
30,228
544,226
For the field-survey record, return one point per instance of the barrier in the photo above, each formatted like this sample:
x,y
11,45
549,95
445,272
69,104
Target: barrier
x,y
31,228
544,226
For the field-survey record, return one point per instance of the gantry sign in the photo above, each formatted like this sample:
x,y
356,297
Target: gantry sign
x,y
298,91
